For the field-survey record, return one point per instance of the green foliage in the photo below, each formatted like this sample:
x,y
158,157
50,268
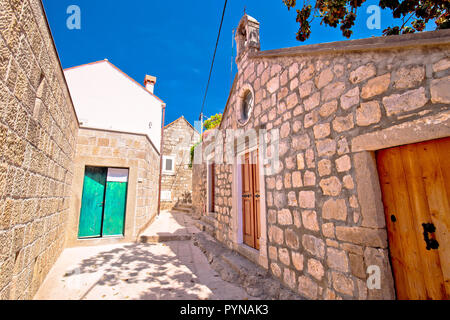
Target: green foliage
x,y
343,13
213,122
192,153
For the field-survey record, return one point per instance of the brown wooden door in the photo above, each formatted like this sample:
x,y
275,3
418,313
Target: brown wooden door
x,y
415,182
251,200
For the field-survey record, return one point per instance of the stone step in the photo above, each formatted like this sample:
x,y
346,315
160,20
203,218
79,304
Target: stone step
x,y
182,209
164,238
233,267
212,215
184,205
211,221
202,226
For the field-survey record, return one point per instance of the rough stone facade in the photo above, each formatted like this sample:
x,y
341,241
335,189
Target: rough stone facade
x,y
38,129
179,137
333,105
118,150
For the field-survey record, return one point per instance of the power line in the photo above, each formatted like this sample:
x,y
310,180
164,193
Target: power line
x,y
214,57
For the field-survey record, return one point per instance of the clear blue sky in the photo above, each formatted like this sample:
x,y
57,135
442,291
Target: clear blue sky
x,y
174,41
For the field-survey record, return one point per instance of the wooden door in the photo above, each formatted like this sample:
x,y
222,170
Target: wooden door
x,y
103,202
415,183
251,200
115,202
92,202
212,187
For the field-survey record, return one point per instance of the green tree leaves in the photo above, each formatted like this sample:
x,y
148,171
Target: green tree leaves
x,y
415,14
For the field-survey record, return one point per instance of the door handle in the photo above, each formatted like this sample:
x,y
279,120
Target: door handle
x,y
431,243
257,196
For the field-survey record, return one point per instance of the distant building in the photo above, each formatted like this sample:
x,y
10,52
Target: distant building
x,y
176,187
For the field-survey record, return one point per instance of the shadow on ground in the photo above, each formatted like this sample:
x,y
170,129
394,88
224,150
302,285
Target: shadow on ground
x,y
159,273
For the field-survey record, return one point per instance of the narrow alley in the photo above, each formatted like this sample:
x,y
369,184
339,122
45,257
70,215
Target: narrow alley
x,y
172,270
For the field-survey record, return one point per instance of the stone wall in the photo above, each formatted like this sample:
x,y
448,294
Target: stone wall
x,y
332,104
118,150
38,129
199,188
179,137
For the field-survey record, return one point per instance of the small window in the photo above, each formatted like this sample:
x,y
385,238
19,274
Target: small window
x,y
168,165
246,106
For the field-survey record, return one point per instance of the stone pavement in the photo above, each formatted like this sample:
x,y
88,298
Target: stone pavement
x,y
169,226
171,270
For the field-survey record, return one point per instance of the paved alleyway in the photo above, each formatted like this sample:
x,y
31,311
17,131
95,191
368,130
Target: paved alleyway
x,y
170,270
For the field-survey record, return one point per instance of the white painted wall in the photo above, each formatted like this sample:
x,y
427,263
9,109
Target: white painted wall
x,y
105,98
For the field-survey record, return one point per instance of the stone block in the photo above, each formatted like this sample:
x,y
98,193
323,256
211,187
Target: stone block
x,y
440,92
368,113
337,260
407,101
441,65
328,230
331,186
307,199
328,108
314,246
326,147
324,78
333,91
306,89
363,73
362,236
284,256
309,179
334,210
276,235
297,179
345,123
307,74
343,164
309,218
376,86
307,287
312,102
409,77
350,98
315,269
343,284
357,265
322,130
285,217
292,240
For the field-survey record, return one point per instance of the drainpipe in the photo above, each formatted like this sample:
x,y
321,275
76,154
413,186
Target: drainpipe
x,y
161,157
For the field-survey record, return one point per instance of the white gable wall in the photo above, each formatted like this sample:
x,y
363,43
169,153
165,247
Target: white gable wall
x,y
105,98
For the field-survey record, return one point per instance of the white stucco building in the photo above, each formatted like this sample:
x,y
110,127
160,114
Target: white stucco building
x,y
106,98
116,173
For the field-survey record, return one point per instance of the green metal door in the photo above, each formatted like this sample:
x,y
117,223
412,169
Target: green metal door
x,y
92,202
115,202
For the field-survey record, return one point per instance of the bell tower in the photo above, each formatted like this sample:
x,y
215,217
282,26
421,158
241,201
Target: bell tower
x,y
247,37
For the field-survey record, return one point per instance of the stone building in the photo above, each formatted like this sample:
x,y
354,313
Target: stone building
x,y
48,142
176,185
335,116
119,147
38,135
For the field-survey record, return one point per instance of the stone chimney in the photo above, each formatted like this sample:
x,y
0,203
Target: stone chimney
x,y
247,36
149,83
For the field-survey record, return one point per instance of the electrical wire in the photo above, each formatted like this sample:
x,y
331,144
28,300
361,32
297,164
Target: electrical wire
x,y
213,59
